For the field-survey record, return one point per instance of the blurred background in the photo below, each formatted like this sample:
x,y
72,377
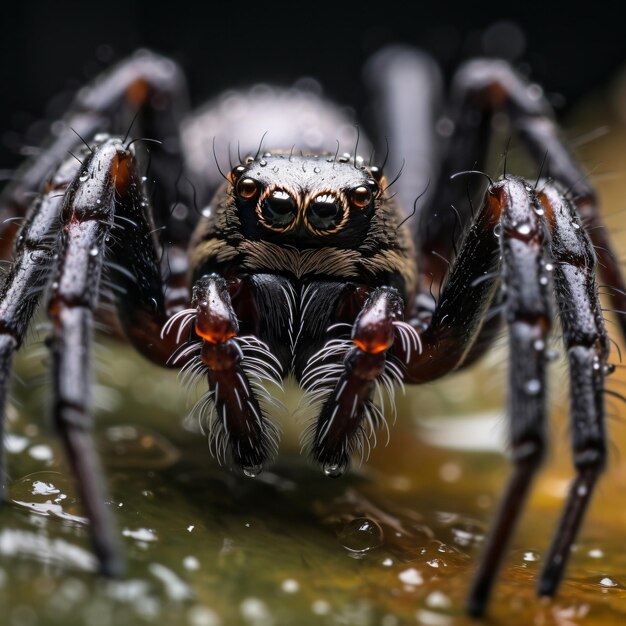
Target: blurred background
x,y
47,51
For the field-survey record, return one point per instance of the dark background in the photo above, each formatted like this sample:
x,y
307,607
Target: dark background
x,y
47,50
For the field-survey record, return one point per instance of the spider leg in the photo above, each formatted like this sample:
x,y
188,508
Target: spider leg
x,y
89,207
531,246
348,417
587,345
102,212
480,89
145,84
510,226
236,420
24,284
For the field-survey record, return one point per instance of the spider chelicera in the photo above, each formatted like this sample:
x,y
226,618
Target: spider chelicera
x,y
303,262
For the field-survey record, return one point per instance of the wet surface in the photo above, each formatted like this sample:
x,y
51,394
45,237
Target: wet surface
x,y
394,542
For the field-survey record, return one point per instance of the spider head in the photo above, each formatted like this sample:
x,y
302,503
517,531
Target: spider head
x,y
306,200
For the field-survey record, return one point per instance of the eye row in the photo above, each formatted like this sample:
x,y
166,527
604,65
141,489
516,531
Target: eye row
x,y
326,213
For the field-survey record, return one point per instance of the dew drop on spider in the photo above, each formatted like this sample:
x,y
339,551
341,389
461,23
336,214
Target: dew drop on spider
x,y
552,355
532,387
609,368
332,470
361,535
251,471
497,231
539,345
94,251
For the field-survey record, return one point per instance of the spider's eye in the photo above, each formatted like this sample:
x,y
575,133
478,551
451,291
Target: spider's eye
x,y
279,209
360,196
247,188
325,212
235,173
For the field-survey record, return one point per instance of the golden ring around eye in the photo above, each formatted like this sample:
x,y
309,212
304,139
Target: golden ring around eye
x,y
247,188
360,196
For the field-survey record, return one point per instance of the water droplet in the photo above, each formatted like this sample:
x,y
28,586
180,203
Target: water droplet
x,y
608,582
609,368
438,600
530,556
333,470
437,563
263,163
317,170
532,387
83,177
361,535
539,345
411,576
552,355
191,563
140,534
596,364
575,225
290,585
251,471
144,179
543,280
596,553
94,251
207,211
467,532
524,229
497,231
539,210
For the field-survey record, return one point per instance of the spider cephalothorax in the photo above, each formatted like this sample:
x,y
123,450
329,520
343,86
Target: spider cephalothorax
x,y
306,266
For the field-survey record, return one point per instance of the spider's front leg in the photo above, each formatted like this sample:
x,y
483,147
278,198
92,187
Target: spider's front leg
x,y
237,423
348,416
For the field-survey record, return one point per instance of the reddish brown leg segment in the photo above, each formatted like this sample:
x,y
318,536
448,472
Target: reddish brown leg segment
x,y
348,412
236,421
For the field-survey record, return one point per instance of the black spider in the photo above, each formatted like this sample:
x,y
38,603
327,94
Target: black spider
x,y
305,263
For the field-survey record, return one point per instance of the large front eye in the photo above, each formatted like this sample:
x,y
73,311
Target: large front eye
x,y
278,209
247,188
325,212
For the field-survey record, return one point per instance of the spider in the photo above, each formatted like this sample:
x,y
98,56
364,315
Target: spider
x,y
311,263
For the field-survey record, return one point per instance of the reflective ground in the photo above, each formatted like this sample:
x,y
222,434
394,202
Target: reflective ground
x,y
393,543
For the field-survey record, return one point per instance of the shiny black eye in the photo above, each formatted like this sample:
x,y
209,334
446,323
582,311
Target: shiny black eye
x,y
325,212
247,188
279,209
361,196
235,173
